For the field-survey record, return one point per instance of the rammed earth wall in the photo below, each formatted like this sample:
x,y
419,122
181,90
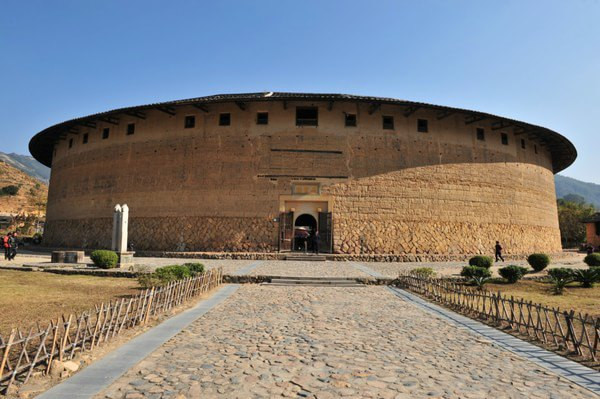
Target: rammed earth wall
x,y
220,188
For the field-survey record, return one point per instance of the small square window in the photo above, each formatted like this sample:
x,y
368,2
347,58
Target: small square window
x,y
85,138
225,119
523,143
480,134
350,120
105,133
307,116
70,143
422,125
262,118
504,138
130,129
388,122
190,122
535,148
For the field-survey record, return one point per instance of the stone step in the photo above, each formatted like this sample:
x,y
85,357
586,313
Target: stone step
x,y
305,257
314,282
351,285
353,279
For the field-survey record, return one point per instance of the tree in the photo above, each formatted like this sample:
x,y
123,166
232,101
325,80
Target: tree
x,y
578,199
570,215
9,190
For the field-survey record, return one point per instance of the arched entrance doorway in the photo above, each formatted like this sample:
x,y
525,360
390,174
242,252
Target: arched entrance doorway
x,y
304,228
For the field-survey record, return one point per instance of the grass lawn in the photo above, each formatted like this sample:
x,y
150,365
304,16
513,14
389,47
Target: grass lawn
x,y
584,300
30,297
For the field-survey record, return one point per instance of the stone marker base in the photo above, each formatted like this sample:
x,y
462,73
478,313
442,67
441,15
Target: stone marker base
x,y
125,259
67,256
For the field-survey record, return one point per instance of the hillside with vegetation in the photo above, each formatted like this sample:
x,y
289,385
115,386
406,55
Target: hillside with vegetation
x,y
567,186
20,193
27,164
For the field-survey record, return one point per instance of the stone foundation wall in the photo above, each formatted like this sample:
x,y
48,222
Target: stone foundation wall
x,y
169,234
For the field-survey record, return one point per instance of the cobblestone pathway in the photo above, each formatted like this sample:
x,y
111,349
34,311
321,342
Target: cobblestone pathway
x,y
328,343
307,269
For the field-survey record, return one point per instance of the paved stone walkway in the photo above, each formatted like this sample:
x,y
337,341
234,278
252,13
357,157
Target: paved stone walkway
x,y
287,268
310,269
328,343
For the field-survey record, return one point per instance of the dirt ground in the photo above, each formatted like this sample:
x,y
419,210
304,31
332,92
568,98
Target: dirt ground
x,y
584,300
30,297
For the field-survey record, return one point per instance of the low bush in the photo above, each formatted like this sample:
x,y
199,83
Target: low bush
x,y
166,274
481,261
195,268
512,273
104,259
475,271
587,277
560,277
592,260
538,261
9,190
148,280
423,272
476,275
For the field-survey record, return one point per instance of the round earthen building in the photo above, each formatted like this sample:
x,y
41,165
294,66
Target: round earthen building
x,y
259,172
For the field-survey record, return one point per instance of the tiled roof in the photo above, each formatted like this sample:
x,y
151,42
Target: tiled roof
x,y
592,219
562,150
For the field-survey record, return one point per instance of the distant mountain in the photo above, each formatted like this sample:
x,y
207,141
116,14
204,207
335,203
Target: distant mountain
x,y
30,196
566,186
27,164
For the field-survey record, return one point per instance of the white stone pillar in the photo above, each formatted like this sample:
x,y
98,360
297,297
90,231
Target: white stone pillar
x,y
123,228
116,228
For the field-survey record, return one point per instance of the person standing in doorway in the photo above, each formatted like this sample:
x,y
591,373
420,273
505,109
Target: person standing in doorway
x,y
499,251
316,238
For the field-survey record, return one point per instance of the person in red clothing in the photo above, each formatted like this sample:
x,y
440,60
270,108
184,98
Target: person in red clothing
x,y
12,246
6,245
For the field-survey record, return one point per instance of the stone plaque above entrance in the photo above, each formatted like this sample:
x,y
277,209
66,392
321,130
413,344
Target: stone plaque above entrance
x,y
306,188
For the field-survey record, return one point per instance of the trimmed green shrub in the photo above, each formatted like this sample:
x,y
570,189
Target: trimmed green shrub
x,y
167,274
195,268
9,190
104,259
481,261
470,272
560,277
592,260
538,261
476,275
512,273
587,277
423,272
148,280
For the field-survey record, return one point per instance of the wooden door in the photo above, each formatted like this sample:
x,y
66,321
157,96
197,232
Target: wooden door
x,y
326,232
286,231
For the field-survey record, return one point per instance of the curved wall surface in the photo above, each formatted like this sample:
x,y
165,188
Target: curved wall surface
x,y
224,188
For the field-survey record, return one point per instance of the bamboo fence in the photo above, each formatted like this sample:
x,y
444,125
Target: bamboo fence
x,y
22,353
561,330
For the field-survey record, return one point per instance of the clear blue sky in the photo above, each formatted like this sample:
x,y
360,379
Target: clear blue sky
x,y
537,61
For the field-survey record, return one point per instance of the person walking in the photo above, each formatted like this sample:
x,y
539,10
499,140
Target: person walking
x,y
499,251
13,246
316,238
6,245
